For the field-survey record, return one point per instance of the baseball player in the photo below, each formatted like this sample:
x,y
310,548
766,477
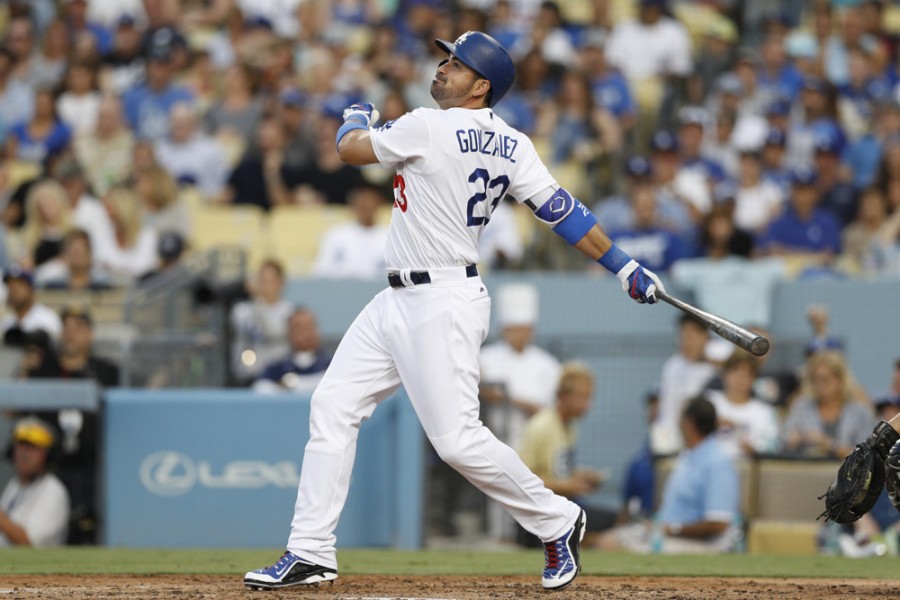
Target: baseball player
x,y
453,165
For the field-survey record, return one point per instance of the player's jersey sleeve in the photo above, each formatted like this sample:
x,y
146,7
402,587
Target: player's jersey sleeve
x,y
402,140
532,175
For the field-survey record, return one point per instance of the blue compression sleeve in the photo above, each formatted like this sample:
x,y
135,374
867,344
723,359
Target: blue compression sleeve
x,y
348,126
614,259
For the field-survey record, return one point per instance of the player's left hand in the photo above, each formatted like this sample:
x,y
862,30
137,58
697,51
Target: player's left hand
x,y
640,283
364,112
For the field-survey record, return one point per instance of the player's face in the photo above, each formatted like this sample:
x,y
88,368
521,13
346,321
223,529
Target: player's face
x,y
453,83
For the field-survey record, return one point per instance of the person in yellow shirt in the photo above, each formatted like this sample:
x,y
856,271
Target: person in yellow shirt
x,y
548,446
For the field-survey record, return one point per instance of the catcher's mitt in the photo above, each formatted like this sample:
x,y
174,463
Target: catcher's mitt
x,y
892,475
860,478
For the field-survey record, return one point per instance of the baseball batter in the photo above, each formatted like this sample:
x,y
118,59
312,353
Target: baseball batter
x,y
453,165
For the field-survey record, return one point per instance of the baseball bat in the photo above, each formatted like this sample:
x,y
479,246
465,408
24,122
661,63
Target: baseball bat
x,y
734,333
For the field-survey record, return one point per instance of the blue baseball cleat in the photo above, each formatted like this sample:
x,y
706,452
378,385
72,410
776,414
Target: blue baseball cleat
x,y
561,557
289,570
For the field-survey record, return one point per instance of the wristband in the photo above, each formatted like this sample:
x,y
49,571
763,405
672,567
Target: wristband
x,y
348,126
614,259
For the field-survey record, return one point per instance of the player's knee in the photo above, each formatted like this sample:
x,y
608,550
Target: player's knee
x,y
462,448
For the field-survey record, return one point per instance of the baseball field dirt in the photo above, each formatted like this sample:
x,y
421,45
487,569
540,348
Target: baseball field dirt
x,y
220,587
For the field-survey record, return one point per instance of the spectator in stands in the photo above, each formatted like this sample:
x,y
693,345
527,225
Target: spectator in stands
x,y
327,180
261,176
88,212
684,375
75,358
79,104
48,64
42,135
719,236
683,194
169,252
838,197
887,406
869,241
257,324
700,500
652,48
864,156
825,421
25,314
306,362
714,57
74,268
772,156
889,173
16,98
656,246
136,241
34,505
190,156
148,104
609,88
747,425
804,231
123,66
355,250
239,109
76,18
693,121
49,217
105,153
617,212
757,201
163,209
19,38
297,122
548,447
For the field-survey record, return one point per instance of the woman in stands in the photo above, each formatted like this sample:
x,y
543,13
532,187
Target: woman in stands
x,y
826,422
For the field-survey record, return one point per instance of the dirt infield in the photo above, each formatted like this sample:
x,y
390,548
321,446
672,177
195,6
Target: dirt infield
x,y
202,587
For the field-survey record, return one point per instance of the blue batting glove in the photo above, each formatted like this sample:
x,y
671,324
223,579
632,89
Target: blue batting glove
x,y
362,112
640,283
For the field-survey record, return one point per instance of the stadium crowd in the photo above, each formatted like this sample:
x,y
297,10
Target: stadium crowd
x,y
743,140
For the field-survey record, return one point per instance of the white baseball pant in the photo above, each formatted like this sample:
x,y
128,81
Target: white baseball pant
x,y
428,338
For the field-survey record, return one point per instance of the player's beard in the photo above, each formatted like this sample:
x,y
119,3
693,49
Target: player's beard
x,y
442,92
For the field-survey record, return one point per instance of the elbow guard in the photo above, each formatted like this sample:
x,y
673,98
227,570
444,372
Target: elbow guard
x,y
569,218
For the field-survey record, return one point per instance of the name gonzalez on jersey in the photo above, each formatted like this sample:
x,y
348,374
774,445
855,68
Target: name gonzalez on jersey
x,y
487,142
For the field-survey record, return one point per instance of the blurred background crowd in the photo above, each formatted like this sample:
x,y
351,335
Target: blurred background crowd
x,y
728,145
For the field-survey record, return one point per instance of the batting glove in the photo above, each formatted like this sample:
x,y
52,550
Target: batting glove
x,y
363,112
640,283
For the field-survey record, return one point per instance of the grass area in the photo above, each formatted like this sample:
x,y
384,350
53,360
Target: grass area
x,y
430,562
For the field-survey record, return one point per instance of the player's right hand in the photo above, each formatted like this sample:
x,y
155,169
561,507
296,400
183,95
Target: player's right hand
x,y
641,284
364,112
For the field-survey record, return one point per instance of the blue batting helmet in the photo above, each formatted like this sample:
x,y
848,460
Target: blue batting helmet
x,y
484,55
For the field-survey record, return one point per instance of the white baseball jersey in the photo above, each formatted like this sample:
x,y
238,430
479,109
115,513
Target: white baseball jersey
x,y
472,153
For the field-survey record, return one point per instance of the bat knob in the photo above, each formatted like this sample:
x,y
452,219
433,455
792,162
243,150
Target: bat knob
x,y
759,346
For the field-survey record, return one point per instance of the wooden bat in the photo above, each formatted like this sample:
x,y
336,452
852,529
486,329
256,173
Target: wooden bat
x,y
734,333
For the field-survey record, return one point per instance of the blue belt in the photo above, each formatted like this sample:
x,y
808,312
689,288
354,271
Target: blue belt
x,y
418,277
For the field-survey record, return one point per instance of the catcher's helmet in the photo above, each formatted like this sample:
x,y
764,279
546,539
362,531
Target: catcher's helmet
x,y
484,55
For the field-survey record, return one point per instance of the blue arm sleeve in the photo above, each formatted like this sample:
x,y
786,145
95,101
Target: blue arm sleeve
x,y
348,126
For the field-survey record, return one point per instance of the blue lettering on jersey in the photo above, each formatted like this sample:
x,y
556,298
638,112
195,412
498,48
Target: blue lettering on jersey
x,y
487,143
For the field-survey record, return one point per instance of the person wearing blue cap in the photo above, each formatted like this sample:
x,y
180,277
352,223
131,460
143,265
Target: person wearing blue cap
x,y
773,155
837,195
804,231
